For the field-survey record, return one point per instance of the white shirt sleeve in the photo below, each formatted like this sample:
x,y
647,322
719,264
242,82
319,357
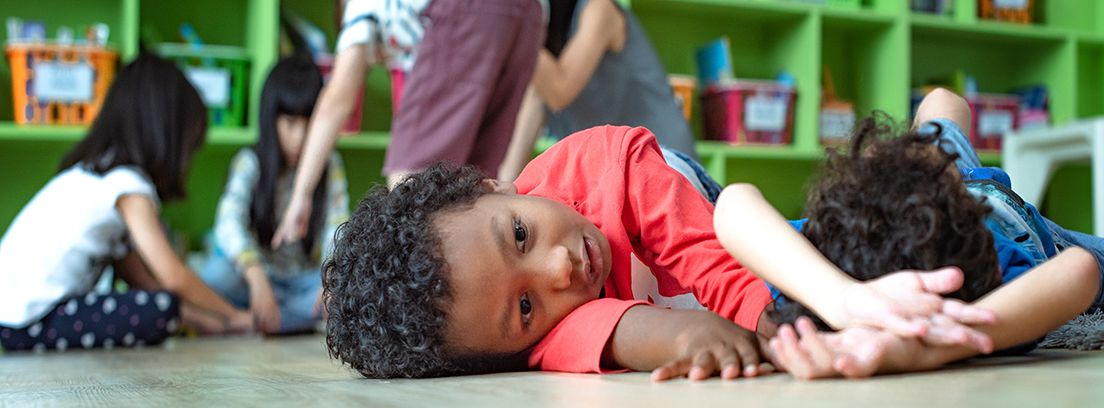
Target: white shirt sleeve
x,y
387,28
122,181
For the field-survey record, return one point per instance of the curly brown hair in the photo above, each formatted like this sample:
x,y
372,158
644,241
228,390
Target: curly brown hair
x,y
897,203
386,287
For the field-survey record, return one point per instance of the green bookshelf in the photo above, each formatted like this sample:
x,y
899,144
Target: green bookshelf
x,y
876,53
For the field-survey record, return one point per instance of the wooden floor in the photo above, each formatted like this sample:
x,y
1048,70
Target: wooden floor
x,y
251,371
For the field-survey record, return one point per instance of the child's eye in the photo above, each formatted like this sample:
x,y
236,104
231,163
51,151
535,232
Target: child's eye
x,y
526,310
520,235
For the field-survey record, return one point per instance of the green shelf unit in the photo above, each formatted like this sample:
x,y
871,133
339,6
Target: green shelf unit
x,y
876,54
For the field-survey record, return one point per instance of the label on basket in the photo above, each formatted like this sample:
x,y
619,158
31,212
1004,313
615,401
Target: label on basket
x,y
213,85
63,82
994,122
1010,4
836,125
765,113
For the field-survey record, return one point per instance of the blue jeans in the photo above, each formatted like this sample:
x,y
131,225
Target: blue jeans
x,y
953,140
296,295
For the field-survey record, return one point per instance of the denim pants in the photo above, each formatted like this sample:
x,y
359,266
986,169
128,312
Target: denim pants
x,y
295,295
953,140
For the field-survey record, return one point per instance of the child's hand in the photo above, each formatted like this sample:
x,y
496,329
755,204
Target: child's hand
x,y
262,300
293,225
265,310
241,322
855,352
908,303
712,345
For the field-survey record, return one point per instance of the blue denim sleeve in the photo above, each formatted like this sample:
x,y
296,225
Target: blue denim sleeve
x,y
952,140
1013,259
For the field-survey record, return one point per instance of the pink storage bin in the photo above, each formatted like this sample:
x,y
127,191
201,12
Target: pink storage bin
x,y
749,112
995,115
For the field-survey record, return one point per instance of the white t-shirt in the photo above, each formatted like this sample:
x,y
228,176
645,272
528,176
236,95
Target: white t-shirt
x,y
390,30
60,242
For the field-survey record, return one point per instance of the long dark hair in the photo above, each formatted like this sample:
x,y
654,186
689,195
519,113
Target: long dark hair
x,y
560,15
152,118
290,89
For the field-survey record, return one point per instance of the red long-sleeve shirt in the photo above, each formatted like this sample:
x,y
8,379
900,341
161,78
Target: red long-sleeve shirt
x,y
617,178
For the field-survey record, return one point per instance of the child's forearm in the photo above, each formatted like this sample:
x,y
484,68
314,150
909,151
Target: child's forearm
x,y
1034,304
333,107
647,338
761,239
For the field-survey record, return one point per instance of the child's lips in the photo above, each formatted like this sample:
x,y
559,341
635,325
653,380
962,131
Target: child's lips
x,y
594,261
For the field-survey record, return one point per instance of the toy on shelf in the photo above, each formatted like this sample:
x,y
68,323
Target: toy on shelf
x,y
714,63
837,116
683,88
62,82
1013,11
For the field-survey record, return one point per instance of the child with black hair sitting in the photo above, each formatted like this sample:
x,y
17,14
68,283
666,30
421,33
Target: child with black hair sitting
x,y
902,203
453,273
281,287
101,209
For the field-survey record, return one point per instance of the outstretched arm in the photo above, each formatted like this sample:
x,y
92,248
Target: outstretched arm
x,y
334,105
1027,308
757,235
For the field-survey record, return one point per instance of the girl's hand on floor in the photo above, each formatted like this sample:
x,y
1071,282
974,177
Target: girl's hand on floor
x,y
241,322
909,304
715,346
265,310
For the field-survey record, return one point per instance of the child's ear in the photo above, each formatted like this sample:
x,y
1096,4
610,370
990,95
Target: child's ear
x,y
497,186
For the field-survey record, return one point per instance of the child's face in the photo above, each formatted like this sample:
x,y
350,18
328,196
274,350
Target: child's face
x,y
292,130
517,266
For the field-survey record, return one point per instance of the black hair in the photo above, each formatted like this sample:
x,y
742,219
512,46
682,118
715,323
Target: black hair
x,y
151,118
290,89
386,287
561,13
897,204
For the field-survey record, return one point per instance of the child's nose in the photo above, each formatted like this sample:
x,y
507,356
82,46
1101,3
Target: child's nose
x,y
560,267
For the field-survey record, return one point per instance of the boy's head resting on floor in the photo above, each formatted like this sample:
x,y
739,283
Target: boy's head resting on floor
x,y
152,118
897,203
287,101
453,273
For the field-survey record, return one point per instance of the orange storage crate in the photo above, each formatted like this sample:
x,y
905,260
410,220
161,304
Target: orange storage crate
x,y
59,84
1013,11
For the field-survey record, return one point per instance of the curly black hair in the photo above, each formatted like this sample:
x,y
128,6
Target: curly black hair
x,y
897,203
385,287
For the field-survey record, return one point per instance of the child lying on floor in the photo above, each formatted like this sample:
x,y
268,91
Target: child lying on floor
x,y
451,273
902,204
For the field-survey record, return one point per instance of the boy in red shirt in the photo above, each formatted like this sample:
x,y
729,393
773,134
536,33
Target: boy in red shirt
x,y
451,273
